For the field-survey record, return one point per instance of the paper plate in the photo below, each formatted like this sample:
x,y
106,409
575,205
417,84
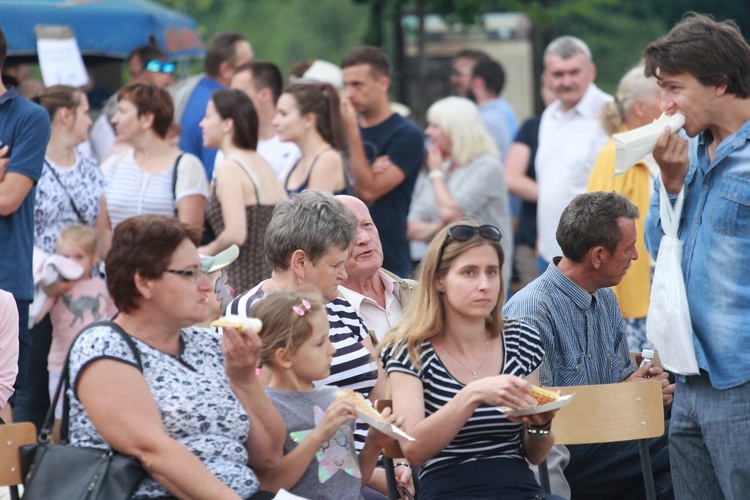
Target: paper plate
x,y
385,427
533,410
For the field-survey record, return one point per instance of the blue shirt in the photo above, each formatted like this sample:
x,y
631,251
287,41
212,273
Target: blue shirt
x,y
715,230
402,141
24,126
495,122
191,136
583,334
509,115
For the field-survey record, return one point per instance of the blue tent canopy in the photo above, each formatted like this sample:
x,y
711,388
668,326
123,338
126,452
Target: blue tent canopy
x,y
103,28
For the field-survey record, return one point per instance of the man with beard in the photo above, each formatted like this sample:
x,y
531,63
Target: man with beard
x,y
583,334
570,136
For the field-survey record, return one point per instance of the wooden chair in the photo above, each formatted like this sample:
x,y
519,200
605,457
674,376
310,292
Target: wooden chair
x,y
391,451
611,413
13,436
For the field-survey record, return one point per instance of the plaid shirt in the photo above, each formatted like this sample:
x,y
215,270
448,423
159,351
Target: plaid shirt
x,y
583,334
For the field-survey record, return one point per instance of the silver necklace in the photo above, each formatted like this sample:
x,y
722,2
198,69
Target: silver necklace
x,y
473,372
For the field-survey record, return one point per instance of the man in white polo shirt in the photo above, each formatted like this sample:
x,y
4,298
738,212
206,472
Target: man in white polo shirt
x,y
570,136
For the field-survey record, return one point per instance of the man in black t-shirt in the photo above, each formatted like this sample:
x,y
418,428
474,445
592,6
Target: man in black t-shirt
x,y
378,142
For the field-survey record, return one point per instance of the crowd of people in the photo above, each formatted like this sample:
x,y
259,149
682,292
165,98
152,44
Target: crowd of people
x,y
449,270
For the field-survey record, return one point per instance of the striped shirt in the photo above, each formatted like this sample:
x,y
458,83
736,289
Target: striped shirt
x,y
352,366
583,334
487,434
130,191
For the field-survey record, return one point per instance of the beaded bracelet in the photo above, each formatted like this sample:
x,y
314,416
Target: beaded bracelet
x,y
405,464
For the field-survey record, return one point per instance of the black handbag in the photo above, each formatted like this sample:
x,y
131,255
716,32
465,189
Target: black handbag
x,y
74,472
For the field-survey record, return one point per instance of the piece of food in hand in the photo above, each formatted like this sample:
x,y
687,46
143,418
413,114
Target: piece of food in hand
x,y
239,322
360,403
543,396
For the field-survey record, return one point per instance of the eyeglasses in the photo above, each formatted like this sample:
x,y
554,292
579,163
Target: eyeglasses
x,y
193,275
465,233
156,66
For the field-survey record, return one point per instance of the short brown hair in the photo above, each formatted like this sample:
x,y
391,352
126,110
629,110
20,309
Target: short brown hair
x,y
714,53
283,327
221,49
265,75
591,220
374,56
149,98
142,244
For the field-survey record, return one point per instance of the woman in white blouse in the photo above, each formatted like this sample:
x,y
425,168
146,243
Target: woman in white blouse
x,y
151,177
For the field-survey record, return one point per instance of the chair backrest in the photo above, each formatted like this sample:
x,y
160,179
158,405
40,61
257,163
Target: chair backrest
x,y
609,413
392,450
13,436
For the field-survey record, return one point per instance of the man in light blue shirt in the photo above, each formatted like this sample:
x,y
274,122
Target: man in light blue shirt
x,y
703,68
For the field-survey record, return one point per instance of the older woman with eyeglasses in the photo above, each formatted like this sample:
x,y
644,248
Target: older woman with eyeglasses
x,y
453,361
465,178
192,410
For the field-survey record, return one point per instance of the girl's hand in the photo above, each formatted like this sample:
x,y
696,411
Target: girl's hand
x,y
503,390
338,412
241,350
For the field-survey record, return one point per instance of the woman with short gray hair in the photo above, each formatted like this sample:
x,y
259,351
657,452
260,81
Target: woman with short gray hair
x,y
307,242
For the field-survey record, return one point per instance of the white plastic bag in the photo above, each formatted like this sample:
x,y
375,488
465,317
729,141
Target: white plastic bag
x,y
668,324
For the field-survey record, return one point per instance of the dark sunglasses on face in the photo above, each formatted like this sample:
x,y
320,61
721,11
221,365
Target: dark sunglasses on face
x,y
156,66
465,233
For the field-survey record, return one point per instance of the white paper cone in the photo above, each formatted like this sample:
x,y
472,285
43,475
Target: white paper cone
x,y
632,146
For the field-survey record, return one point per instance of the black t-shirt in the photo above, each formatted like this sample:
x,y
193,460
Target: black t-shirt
x,y
403,142
529,135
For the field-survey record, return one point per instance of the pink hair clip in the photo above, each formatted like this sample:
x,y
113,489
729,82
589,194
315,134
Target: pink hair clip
x,y
301,311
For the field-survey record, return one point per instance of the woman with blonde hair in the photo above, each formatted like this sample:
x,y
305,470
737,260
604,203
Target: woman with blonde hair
x,y
637,104
465,177
453,360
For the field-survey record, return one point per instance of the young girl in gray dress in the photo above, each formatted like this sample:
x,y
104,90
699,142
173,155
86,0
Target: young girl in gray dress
x,y
319,456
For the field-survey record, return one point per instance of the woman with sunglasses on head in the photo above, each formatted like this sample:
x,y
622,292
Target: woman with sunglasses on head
x,y
465,178
308,115
185,401
453,361
150,176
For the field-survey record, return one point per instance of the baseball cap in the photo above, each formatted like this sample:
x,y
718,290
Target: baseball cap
x,y
211,263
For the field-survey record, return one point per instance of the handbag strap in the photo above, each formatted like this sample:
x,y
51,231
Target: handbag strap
x,y
72,203
63,384
174,182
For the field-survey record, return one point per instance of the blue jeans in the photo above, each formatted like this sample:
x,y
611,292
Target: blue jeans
x,y
32,400
24,343
613,470
710,440
541,265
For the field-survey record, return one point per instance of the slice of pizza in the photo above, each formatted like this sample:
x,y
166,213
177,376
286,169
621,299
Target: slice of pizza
x,y
543,396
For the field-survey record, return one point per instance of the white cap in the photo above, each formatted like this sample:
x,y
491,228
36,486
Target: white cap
x,y
321,72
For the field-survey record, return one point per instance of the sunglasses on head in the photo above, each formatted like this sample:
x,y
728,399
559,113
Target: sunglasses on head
x,y
156,66
465,233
